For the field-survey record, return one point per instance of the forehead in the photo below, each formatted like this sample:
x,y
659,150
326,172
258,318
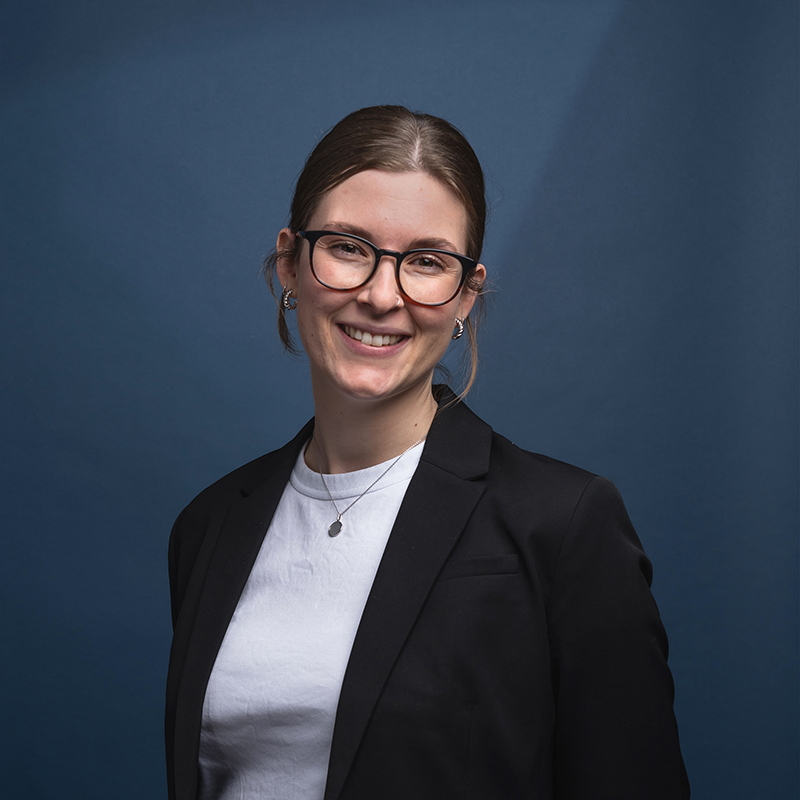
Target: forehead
x,y
395,207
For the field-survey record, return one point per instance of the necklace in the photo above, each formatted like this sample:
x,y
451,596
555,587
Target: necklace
x,y
336,527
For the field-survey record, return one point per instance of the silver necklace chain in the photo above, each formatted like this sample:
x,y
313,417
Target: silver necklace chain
x,y
336,527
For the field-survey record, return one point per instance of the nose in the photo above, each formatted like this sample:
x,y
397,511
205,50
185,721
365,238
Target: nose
x,y
381,290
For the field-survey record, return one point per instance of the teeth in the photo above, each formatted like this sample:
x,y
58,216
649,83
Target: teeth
x,y
374,340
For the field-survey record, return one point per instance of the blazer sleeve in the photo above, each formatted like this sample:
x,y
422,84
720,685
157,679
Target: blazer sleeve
x,y
616,735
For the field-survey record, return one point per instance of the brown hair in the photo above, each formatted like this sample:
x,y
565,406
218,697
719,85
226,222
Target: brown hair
x,y
393,139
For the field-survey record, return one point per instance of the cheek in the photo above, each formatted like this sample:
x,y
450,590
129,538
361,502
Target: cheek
x,y
441,319
439,329
315,305
307,322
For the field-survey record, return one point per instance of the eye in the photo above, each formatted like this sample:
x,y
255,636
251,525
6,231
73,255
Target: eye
x,y
346,247
432,264
427,262
342,248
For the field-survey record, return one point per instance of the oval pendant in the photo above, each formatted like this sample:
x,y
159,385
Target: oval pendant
x,y
335,529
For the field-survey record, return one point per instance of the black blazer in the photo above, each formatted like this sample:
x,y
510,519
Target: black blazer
x,y
509,648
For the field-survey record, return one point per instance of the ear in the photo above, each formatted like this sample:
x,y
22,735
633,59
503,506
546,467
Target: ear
x,y
285,268
468,296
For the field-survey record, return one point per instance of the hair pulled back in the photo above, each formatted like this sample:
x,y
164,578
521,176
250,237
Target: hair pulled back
x,y
392,139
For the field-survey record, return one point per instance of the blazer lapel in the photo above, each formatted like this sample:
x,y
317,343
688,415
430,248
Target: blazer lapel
x,y
438,504
238,542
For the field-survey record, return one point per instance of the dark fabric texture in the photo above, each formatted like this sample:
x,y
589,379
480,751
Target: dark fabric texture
x,y
510,646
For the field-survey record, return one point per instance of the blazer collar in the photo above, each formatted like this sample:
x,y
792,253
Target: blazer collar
x,y
458,442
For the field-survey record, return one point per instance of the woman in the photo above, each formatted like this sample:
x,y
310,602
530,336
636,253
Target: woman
x,y
400,603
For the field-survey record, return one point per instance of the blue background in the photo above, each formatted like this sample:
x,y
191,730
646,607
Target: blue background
x,y
643,177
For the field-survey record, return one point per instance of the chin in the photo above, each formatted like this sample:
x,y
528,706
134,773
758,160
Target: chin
x,y
370,390
370,386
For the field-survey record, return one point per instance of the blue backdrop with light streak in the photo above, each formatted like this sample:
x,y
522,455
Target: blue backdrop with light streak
x,y
643,176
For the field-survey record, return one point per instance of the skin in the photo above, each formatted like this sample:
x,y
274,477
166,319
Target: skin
x,y
372,403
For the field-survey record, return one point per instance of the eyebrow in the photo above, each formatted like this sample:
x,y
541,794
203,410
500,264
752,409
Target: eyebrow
x,y
418,244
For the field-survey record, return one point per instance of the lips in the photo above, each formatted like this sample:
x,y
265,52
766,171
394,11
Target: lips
x,y
372,339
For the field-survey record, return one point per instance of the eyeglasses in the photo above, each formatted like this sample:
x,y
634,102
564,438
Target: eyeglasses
x,y
426,276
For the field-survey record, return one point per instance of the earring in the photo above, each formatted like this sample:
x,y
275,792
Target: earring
x,y
458,331
286,301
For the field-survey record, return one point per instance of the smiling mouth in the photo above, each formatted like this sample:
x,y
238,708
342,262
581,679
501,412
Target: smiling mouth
x,y
373,340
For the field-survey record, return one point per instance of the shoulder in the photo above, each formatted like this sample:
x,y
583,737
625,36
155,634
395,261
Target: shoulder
x,y
539,500
468,446
555,486
555,477
554,504
461,443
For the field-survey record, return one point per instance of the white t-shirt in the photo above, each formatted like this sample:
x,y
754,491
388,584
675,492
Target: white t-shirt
x,y
271,699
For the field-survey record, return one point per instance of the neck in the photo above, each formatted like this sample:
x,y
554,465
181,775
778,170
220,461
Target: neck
x,y
352,434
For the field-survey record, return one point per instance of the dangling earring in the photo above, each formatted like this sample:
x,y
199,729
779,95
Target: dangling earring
x,y
286,299
458,331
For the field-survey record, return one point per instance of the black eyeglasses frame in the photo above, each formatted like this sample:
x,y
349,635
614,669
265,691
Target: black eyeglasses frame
x,y
467,263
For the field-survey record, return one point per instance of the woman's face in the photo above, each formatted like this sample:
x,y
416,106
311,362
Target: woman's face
x,y
395,211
